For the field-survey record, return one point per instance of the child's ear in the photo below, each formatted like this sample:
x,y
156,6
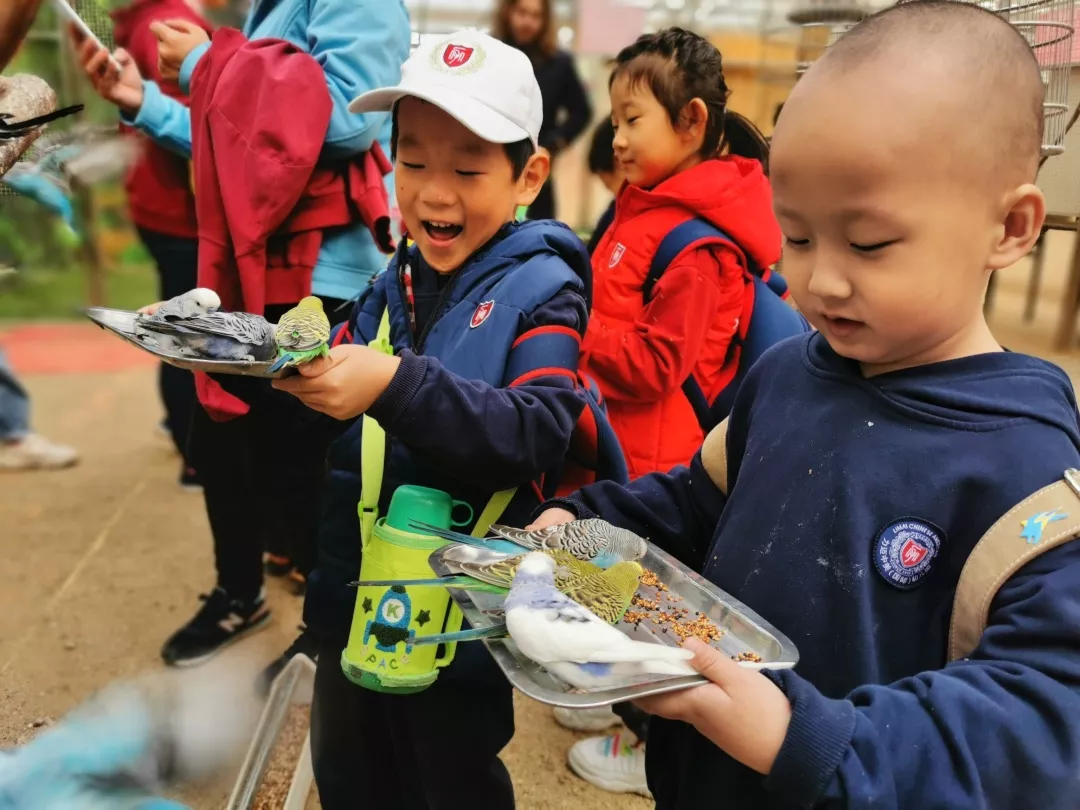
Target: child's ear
x,y
693,119
1024,212
533,176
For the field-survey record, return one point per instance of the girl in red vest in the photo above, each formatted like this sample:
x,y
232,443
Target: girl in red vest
x,y
684,156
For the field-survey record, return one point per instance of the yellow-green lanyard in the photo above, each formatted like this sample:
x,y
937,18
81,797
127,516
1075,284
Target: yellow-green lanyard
x,y
373,459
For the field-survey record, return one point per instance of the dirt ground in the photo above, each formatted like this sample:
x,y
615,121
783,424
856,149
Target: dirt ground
x,y
103,561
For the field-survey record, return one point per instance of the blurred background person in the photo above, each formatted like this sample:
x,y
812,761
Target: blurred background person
x,y
528,25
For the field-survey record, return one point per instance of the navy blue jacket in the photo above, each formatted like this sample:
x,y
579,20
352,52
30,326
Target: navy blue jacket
x,y
853,506
485,397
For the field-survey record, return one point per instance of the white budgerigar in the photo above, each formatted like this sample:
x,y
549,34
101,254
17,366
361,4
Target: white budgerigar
x,y
572,642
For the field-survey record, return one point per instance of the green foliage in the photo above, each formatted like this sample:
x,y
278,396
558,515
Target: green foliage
x,y
52,293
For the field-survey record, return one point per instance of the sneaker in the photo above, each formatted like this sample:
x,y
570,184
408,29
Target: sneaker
x,y
34,452
219,623
305,643
297,582
615,763
276,565
189,480
586,719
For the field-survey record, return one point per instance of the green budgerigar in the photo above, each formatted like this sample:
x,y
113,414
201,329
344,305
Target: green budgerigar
x,y
302,334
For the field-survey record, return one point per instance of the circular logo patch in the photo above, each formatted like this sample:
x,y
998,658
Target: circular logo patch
x,y
905,551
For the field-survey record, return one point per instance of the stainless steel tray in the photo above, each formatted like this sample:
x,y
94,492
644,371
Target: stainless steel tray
x,y
121,322
744,631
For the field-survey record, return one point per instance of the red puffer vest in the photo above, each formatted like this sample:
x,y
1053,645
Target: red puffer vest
x,y
733,194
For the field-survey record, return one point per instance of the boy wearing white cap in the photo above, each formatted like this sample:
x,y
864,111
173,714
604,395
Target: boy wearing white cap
x,y
482,394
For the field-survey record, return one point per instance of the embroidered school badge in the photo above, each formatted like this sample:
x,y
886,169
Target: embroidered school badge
x,y
1034,526
481,314
616,254
457,55
904,551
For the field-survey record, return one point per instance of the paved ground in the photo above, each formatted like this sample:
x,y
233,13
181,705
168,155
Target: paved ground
x,y
103,561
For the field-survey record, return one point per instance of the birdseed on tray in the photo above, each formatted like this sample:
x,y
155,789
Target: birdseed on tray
x,y
662,612
278,777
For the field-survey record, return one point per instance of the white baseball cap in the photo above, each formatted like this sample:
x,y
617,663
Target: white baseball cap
x,y
485,84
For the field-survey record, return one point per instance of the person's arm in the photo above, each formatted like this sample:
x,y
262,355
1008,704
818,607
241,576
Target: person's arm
x,y
16,17
575,102
677,511
997,730
360,46
495,437
652,357
164,120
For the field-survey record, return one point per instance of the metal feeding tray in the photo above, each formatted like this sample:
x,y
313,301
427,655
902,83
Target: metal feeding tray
x,y
121,322
743,633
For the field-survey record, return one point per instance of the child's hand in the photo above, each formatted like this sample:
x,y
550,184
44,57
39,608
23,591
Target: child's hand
x,y
176,39
345,383
150,309
551,517
741,711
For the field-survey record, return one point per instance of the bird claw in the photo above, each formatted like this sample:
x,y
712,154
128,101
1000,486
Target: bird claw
x,y
10,130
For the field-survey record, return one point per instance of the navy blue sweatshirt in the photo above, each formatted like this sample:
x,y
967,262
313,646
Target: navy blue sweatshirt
x,y
853,506
465,412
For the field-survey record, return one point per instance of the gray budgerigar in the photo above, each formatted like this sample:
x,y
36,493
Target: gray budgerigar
x,y
215,336
199,301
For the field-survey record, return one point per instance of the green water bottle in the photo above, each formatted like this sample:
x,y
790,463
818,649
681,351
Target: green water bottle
x,y
380,655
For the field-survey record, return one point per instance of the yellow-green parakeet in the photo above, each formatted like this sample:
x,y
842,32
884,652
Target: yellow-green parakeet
x,y
302,334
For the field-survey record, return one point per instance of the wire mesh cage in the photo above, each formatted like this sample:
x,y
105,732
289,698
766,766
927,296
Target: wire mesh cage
x,y
1048,26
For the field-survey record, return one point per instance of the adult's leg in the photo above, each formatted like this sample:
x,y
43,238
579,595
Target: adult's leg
x,y
21,449
14,404
177,266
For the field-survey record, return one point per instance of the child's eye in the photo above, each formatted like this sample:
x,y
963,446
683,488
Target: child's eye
x,y
632,119
412,165
873,247
464,173
796,242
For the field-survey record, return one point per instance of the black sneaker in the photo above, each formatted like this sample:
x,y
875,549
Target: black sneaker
x,y
276,565
219,623
305,643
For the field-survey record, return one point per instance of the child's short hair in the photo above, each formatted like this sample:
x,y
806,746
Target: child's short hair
x,y
602,150
679,66
518,153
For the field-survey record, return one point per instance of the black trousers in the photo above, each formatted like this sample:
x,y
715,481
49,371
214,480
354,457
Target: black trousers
x,y
635,719
435,750
262,476
177,261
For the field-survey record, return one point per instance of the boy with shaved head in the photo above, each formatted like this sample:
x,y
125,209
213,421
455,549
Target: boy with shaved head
x,y
863,463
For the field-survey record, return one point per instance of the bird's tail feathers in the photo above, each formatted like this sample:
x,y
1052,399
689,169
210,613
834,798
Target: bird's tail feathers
x,y
473,634
461,582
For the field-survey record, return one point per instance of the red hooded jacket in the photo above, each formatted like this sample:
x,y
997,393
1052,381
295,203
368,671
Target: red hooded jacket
x,y
640,354
259,115
158,184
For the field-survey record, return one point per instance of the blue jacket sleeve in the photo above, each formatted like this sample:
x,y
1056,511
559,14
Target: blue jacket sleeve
x,y
515,434
360,45
677,511
997,730
165,120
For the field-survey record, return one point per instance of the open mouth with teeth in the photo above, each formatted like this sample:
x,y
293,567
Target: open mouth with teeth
x,y
441,231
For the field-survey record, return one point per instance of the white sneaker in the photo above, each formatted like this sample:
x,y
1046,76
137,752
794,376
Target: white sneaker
x,y
35,452
615,763
586,719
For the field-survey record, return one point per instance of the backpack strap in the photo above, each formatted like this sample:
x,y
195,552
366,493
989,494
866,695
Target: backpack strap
x,y
1040,522
683,237
373,462
714,456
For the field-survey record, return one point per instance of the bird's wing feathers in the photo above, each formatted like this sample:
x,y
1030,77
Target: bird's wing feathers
x,y
239,326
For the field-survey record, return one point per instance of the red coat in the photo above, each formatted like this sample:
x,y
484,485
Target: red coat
x,y
158,184
259,114
641,355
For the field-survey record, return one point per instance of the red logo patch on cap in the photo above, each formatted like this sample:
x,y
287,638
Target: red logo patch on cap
x,y
457,55
481,314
